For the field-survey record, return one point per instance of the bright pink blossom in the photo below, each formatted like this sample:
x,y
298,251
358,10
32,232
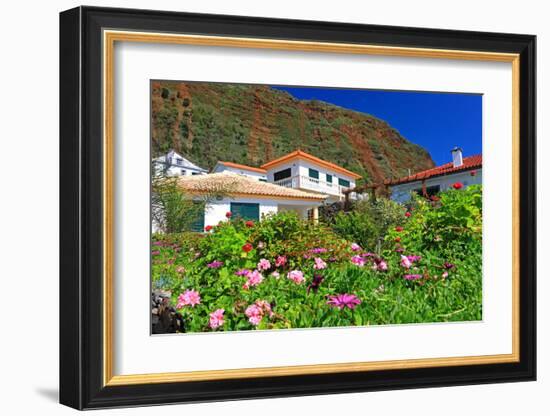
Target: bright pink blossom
x,y
405,262
254,314
412,276
253,279
188,298
257,311
296,276
216,318
216,264
280,261
264,264
180,269
358,261
343,300
319,264
380,265
355,247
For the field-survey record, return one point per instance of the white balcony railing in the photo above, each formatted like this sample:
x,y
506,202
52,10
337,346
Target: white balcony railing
x,y
312,184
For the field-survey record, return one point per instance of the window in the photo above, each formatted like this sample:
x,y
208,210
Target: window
x,y
263,180
329,178
183,172
313,173
343,182
246,211
430,190
282,174
179,161
195,173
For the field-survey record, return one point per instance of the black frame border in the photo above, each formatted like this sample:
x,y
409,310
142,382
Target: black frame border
x,y
81,204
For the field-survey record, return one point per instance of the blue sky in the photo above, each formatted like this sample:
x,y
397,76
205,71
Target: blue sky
x,y
435,121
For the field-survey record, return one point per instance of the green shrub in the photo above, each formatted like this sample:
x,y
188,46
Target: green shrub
x,y
368,221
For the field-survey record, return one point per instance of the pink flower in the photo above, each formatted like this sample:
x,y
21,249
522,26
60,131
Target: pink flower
x,y
180,269
264,264
242,272
405,262
380,265
358,261
257,311
254,314
155,253
412,276
407,214
188,298
343,300
445,274
318,250
281,261
355,247
216,264
276,274
319,264
216,318
253,279
296,276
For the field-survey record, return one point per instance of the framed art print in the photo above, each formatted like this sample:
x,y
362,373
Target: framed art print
x,y
258,207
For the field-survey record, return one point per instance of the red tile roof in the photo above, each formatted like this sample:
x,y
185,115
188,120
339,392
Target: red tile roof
x,y
244,167
470,162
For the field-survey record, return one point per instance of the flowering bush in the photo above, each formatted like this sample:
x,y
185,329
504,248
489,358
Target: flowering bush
x,y
284,272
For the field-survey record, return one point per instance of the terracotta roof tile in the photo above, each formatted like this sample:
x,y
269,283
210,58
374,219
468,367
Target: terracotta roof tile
x,y
239,166
232,184
470,162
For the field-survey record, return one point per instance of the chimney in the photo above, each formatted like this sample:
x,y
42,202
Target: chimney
x,y
457,157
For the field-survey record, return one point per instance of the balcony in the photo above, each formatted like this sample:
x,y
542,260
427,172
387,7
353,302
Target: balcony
x,y
311,184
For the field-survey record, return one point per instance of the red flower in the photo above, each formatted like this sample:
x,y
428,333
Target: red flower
x,y
473,172
249,224
407,214
457,185
397,239
208,228
228,214
398,228
247,247
435,198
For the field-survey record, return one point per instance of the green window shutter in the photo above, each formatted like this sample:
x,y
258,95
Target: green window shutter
x,y
343,182
313,173
329,178
245,211
198,224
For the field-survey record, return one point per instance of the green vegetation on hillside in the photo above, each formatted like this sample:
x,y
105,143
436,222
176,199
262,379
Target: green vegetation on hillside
x,y
253,124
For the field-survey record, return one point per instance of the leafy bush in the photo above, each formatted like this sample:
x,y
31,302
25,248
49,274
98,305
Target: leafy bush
x,y
284,272
368,221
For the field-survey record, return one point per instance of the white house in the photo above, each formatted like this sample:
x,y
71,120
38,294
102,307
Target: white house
x,y
174,164
466,170
247,197
252,172
300,170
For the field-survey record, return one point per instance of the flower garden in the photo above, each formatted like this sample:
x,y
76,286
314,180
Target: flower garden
x,y
380,263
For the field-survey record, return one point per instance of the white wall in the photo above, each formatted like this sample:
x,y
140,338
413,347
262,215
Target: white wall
x,y
29,353
215,211
401,193
305,165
